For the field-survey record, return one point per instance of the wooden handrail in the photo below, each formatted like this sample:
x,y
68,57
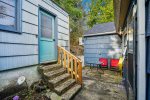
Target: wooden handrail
x,y
71,63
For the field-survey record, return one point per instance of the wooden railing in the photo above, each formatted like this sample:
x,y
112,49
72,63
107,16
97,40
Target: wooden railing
x,y
71,63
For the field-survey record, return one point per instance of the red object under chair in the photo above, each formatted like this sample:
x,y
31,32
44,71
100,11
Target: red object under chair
x,y
104,62
114,63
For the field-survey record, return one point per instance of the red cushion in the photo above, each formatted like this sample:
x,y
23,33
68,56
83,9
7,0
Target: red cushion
x,y
103,61
114,62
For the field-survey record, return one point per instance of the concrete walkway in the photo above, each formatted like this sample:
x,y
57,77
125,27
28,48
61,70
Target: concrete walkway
x,y
97,86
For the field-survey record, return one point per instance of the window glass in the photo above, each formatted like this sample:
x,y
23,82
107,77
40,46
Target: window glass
x,y
7,9
125,40
7,13
130,32
7,20
46,26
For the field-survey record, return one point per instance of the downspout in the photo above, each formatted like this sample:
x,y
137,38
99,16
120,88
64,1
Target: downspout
x,y
141,51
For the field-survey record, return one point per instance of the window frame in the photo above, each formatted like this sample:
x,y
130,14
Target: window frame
x,y
18,16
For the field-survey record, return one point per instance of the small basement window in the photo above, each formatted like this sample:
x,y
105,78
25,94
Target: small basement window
x,y
10,15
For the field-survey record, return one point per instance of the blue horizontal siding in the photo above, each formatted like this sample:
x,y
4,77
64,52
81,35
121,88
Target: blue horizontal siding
x,y
50,3
15,49
29,18
60,32
29,12
16,62
28,6
29,28
19,50
63,20
24,38
63,27
101,47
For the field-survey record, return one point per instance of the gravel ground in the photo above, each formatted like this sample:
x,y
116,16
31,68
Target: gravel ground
x,y
98,86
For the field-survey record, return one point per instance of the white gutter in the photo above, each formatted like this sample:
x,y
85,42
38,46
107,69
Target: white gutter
x,y
141,51
105,33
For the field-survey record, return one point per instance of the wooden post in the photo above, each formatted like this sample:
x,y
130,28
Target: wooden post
x,y
64,59
58,55
80,72
68,63
71,66
75,65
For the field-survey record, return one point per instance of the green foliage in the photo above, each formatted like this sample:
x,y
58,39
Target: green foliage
x,y
101,11
73,7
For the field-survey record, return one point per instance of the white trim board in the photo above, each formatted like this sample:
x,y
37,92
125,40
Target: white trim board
x,y
105,33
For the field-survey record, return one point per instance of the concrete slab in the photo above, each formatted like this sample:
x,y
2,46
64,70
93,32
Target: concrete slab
x,y
99,86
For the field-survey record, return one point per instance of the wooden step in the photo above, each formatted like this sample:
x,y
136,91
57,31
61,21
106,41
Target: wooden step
x,y
60,79
47,68
71,92
55,73
62,88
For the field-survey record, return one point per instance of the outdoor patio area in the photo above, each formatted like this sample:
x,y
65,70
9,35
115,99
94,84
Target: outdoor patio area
x,y
98,86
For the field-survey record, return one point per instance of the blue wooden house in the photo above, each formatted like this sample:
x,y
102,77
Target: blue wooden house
x,y
101,41
30,31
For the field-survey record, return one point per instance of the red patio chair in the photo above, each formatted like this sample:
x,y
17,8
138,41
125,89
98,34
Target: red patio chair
x,y
104,62
114,64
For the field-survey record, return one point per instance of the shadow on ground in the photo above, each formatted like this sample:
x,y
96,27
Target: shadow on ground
x,y
98,86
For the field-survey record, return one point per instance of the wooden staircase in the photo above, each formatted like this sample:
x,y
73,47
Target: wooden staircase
x,y
64,80
59,81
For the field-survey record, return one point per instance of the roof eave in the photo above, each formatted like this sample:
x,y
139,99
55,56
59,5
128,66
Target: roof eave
x,y
96,34
120,10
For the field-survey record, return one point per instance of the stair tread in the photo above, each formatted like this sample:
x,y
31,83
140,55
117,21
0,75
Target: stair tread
x,y
54,72
59,78
50,66
64,85
71,92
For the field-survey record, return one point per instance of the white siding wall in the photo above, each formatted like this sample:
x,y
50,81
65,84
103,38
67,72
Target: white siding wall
x,y
19,50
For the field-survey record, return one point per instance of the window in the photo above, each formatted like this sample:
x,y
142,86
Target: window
x,y
125,40
130,32
47,23
9,14
130,35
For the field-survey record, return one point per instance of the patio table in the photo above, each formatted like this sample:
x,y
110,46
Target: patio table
x,y
98,65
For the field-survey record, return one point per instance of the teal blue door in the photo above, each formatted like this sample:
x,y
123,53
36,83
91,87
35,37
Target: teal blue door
x,y
47,38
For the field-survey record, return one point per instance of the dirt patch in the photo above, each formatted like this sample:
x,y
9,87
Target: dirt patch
x,y
37,91
98,86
